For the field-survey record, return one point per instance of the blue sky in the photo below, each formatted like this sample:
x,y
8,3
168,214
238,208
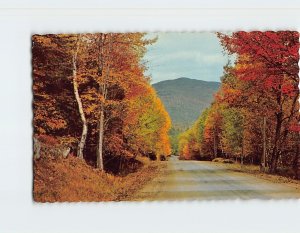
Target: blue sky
x,y
195,55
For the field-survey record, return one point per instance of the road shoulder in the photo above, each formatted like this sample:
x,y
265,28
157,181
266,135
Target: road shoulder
x,y
253,170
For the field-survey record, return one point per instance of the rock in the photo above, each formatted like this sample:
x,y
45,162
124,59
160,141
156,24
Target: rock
x,y
45,149
66,152
228,161
36,149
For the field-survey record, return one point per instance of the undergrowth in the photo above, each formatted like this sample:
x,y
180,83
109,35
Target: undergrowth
x,y
72,180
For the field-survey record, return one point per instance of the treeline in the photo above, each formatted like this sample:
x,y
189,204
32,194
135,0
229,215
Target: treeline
x,y
255,114
90,94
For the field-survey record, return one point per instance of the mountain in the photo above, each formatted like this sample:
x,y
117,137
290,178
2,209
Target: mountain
x,y
185,98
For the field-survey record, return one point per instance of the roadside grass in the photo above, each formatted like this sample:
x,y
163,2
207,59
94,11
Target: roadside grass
x,y
255,170
72,180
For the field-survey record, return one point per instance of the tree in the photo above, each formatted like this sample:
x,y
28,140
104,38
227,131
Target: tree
x,y
256,106
52,87
97,82
270,60
233,132
78,99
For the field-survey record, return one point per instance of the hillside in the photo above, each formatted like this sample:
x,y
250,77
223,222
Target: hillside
x,y
185,98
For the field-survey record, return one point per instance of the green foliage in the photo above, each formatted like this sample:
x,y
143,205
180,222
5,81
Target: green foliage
x,y
232,131
174,133
199,125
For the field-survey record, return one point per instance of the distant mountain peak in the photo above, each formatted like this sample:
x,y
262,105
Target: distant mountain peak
x,y
185,79
185,98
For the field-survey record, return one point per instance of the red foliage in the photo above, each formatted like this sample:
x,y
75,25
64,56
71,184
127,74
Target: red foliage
x,y
47,139
295,127
265,55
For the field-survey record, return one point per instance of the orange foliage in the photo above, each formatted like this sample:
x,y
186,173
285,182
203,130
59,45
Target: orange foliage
x,y
110,76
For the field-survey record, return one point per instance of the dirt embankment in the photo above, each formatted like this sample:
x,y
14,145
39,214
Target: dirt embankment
x,y
72,180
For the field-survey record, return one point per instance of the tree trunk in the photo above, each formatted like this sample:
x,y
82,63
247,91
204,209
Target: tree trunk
x,y
296,163
100,142
242,155
79,102
263,159
274,156
215,143
103,91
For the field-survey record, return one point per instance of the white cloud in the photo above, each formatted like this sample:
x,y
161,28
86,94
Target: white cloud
x,y
194,55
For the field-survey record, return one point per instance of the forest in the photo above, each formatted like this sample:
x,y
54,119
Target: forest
x,y
92,102
101,131
254,117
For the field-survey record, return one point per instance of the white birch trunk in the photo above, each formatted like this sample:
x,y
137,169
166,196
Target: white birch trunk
x,y
79,102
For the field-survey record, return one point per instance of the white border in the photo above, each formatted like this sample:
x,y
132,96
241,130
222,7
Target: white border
x,y
17,211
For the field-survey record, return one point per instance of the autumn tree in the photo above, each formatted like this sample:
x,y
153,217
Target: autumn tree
x,y
233,132
255,109
97,82
270,59
78,98
52,86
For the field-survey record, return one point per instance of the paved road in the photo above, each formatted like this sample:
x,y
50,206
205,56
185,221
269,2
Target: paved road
x,y
197,180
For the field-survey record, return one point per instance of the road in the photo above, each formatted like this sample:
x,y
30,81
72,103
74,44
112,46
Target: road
x,y
200,180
